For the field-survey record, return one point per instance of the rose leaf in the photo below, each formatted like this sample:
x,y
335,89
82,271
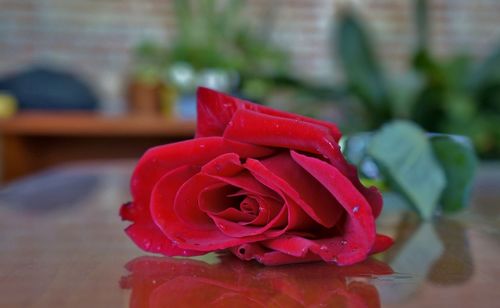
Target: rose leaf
x,y
459,162
405,156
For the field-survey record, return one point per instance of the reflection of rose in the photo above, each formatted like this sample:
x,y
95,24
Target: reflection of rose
x,y
166,282
268,185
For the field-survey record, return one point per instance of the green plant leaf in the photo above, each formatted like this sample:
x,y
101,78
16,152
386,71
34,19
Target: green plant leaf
x,y
488,71
458,160
405,156
485,83
361,68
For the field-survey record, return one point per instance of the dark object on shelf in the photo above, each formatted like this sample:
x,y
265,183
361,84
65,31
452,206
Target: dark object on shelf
x,y
43,88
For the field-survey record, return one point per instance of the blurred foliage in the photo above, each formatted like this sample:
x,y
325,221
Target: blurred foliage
x,y
216,35
458,161
430,171
150,60
452,95
409,165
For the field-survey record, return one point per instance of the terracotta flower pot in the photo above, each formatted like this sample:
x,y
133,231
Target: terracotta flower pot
x,y
144,98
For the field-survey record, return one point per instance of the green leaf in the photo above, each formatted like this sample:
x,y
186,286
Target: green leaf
x,y
361,68
485,82
488,71
459,162
405,156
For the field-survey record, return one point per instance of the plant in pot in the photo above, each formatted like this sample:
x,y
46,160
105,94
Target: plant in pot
x,y
216,46
145,87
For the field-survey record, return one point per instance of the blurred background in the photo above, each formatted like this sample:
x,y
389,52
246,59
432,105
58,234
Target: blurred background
x,y
106,79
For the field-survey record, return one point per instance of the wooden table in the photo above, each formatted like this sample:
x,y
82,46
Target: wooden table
x,y
36,140
62,245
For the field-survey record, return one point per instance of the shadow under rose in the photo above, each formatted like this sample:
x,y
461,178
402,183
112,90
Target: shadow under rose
x,y
172,282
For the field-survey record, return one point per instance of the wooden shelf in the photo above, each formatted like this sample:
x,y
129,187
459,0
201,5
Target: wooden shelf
x,y
91,124
34,141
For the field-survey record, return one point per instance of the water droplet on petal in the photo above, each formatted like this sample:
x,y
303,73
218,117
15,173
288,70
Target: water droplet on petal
x,y
343,242
202,146
154,281
147,244
221,226
323,248
355,209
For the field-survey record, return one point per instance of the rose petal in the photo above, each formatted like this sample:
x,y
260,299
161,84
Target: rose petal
x,y
291,245
276,221
297,246
359,230
309,194
182,234
218,200
188,210
232,214
145,234
215,111
268,209
215,198
237,230
261,129
149,238
158,161
250,205
227,168
186,205
253,251
382,243
329,249
298,219
247,182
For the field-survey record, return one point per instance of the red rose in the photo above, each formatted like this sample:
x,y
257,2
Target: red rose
x,y
168,282
268,185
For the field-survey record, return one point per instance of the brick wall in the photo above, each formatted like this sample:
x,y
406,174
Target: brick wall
x,y
95,36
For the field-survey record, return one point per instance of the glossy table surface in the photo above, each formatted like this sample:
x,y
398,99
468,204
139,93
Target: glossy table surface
x,y
62,245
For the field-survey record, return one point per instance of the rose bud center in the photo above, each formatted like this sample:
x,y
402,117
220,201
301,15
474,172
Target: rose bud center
x,y
250,206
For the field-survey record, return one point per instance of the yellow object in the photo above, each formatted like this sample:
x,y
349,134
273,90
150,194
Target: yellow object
x,y
168,98
375,182
8,105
